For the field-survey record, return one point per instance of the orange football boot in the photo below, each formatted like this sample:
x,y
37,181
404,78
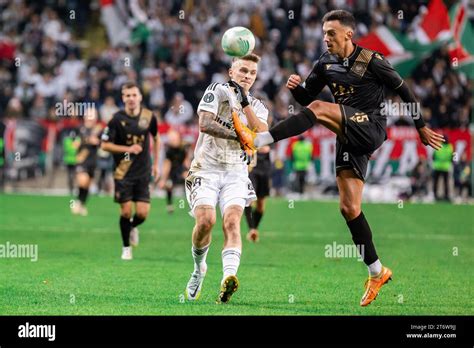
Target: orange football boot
x,y
246,136
373,285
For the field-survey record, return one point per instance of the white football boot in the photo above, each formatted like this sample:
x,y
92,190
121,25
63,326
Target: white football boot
x,y
76,208
127,253
193,289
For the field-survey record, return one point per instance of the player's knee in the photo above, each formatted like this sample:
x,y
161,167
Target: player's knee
x,y
142,215
83,180
142,210
126,211
232,224
205,224
126,214
350,211
316,107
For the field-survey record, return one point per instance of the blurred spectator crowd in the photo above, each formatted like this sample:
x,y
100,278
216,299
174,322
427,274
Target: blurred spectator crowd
x,y
51,51
174,53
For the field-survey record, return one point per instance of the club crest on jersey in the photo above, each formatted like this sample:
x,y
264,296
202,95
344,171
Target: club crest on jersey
x,y
208,98
358,67
143,123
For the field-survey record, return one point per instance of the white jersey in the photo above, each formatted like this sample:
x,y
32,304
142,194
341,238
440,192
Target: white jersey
x,y
213,153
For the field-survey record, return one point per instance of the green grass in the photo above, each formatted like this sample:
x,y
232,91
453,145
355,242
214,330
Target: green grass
x,y
79,271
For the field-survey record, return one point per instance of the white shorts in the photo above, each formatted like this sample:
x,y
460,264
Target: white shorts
x,y
209,187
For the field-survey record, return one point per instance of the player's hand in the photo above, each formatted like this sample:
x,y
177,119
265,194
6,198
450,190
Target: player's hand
x,y
293,81
240,92
135,149
156,174
431,138
93,140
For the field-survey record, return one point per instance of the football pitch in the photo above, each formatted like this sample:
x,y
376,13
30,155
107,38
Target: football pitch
x,y
430,249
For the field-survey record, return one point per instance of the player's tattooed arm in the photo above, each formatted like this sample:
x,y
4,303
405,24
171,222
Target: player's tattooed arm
x,y
209,125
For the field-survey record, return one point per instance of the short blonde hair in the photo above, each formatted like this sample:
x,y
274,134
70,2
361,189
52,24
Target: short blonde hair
x,y
251,57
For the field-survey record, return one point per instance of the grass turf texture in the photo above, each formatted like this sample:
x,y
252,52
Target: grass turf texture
x,y
79,270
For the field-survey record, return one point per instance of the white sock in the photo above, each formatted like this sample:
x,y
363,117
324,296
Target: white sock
x,y
375,268
199,256
262,139
230,261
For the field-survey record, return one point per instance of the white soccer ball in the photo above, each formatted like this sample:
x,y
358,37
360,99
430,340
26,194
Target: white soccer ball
x,y
238,42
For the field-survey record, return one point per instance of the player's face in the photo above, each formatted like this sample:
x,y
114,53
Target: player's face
x,y
336,36
132,98
90,118
244,72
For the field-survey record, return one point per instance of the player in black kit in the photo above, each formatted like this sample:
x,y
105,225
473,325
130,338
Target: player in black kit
x,y
260,177
86,159
356,77
127,138
175,166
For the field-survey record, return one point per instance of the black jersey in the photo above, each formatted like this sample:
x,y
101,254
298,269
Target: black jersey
x,y
357,81
127,130
264,165
176,155
87,152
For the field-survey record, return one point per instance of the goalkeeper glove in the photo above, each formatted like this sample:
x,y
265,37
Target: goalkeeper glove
x,y
240,93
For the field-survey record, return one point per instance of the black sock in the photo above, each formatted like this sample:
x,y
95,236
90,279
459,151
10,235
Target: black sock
x,y
169,197
257,216
83,192
249,217
137,221
362,236
293,125
125,227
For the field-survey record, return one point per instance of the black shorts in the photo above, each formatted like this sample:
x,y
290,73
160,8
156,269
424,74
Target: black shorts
x,y
136,190
176,177
85,168
261,184
361,138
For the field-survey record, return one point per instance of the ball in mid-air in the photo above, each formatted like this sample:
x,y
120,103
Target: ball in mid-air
x,y
238,42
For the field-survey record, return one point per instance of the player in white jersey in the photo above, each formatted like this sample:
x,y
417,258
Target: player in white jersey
x,y
218,173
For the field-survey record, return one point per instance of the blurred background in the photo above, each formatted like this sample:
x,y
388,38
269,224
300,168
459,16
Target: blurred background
x,y
56,55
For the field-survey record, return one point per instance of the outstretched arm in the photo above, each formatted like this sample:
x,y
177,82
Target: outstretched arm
x,y
208,124
390,77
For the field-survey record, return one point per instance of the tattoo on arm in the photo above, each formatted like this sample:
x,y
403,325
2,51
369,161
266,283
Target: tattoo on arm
x,y
208,124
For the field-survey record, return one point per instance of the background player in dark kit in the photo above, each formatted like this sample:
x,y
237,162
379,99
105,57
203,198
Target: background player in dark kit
x,y
175,166
260,177
86,159
127,137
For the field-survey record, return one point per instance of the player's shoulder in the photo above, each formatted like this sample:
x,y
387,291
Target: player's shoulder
x,y
117,116
326,57
369,53
215,87
257,102
213,93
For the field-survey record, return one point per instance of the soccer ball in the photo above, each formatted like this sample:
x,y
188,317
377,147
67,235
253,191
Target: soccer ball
x,y
238,42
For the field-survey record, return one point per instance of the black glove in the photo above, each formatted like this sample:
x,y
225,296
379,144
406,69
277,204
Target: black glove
x,y
239,91
246,156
